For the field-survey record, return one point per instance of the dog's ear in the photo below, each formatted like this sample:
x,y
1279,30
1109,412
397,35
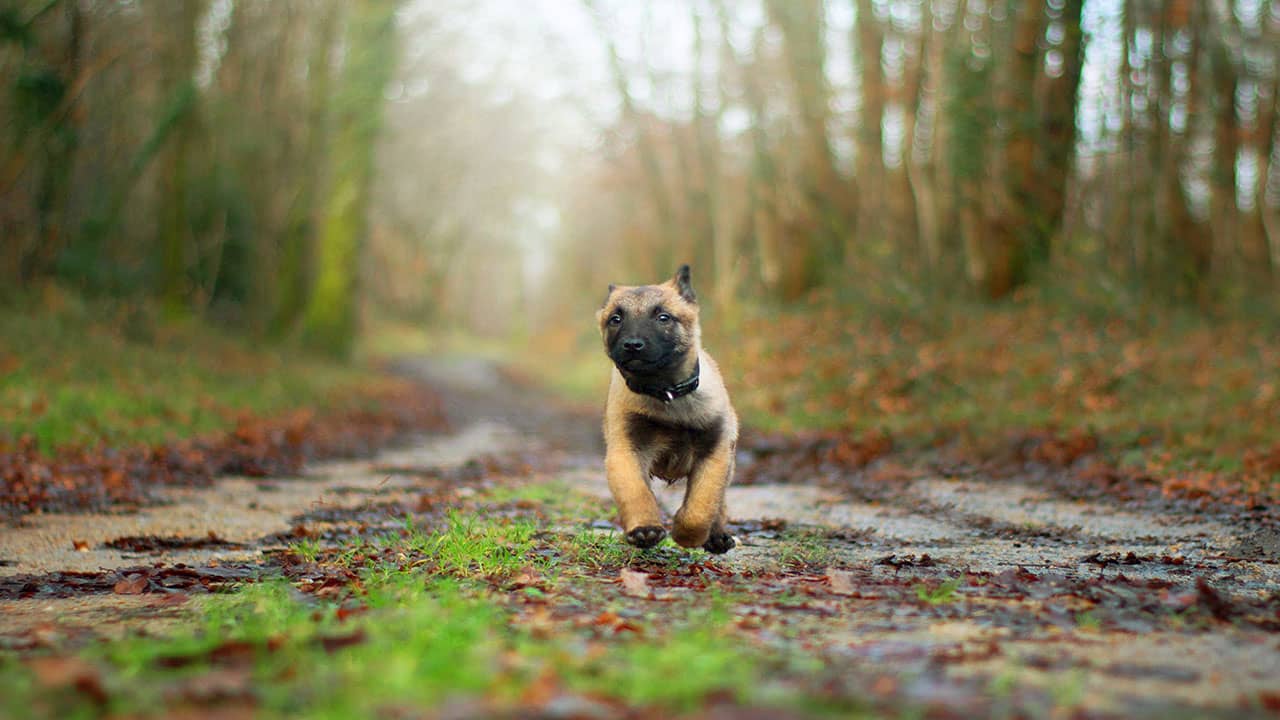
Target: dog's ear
x,y
608,295
683,286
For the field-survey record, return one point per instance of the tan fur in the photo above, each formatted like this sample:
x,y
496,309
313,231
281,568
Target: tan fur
x,y
691,437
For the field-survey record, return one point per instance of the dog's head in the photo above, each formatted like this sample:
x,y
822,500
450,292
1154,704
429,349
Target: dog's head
x,y
650,330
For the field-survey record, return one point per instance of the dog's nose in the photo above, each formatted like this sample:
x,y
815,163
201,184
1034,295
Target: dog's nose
x,y
633,344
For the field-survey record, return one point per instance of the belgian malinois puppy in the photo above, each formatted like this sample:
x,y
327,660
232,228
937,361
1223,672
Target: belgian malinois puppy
x,y
668,415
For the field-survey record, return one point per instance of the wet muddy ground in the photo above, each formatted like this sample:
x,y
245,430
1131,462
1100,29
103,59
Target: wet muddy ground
x,y
951,590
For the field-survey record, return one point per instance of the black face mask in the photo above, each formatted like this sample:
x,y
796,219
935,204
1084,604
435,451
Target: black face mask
x,y
644,346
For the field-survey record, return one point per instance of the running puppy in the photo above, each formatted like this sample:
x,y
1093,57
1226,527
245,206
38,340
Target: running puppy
x,y
668,415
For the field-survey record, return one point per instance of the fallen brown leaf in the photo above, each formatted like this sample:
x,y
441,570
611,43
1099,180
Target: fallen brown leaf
x,y
527,577
614,622
73,672
634,582
172,599
842,582
131,585
218,687
332,643
59,671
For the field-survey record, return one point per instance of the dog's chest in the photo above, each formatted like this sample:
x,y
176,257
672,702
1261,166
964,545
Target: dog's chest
x,y
672,449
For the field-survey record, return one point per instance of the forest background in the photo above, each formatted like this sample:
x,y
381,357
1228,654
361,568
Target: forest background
x,y
926,218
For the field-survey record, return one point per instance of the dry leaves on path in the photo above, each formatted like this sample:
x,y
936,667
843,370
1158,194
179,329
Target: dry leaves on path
x,y
634,583
82,479
842,582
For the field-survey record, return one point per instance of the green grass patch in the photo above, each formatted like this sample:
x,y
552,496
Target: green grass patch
x,y
804,546
600,549
940,594
72,374
307,550
425,637
472,546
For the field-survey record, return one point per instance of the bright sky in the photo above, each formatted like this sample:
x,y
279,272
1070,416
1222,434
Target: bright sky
x,y
551,48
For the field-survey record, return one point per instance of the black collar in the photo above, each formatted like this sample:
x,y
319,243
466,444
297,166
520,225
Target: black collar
x,y
666,394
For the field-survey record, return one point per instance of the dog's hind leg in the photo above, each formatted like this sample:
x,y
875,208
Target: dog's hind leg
x,y
641,518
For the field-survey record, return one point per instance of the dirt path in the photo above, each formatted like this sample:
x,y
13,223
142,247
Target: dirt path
x,y
995,595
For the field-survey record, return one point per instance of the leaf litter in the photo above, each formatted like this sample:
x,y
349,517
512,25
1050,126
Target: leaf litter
x,y
96,479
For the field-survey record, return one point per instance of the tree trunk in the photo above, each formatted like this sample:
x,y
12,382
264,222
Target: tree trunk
x,y
821,186
297,256
936,186
61,144
1261,252
765,214
1125,236
1017,240
1226,148
182,18
329,322
911,239
869,41
1186,243
924,181
706,128
1160,160
970,114
1057,147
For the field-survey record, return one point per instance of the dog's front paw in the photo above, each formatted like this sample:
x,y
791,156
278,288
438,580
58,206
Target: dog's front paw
x,y
719,542
646,536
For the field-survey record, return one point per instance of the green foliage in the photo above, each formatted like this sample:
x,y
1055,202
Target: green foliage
x,y
228,274
14,30
940,594
600,550
698,658
82,263
307,550
261,175
1088,621
37,93
805,546
472,547
970,112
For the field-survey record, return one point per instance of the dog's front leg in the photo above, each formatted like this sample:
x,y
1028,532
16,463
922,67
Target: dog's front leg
x,y
700,520
719,540
641,520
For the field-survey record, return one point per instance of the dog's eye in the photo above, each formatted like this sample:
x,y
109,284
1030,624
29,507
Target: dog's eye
x,y
615,319
663,317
